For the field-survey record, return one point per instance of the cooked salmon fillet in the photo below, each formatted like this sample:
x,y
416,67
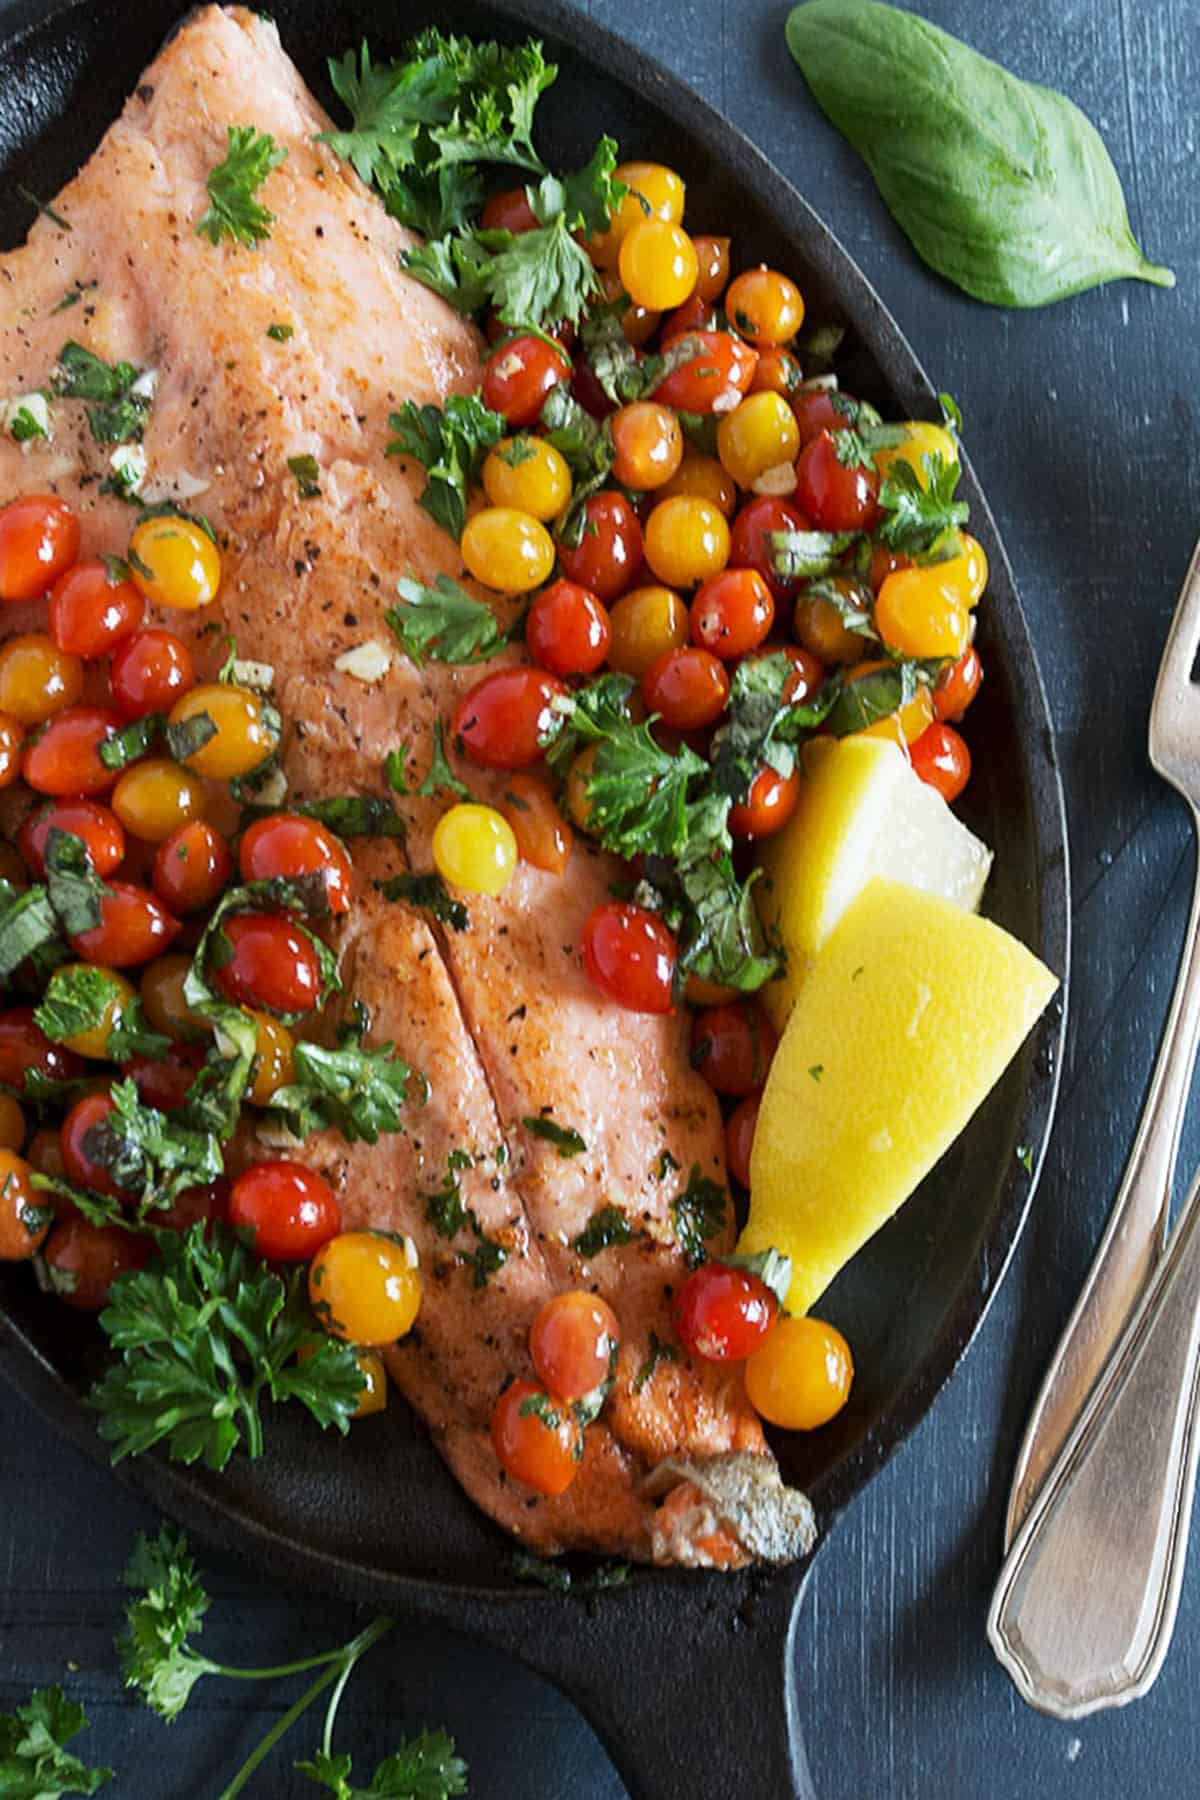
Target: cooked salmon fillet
x,y
499,1017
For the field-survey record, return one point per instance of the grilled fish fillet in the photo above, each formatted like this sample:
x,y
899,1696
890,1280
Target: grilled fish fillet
x,y
499,1017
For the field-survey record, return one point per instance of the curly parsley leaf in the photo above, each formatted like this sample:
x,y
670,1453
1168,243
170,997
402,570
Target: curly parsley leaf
x,y
233,184
423,1768
79,998
919,512
34,1761
358,1091
608,1226
154,1654
566,1140
431,894
457,267
761,727
450,443
443,623
441,778
699,1214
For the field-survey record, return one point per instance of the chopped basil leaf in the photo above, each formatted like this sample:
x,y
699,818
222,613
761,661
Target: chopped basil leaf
x,y
797,554
393,769
76,1000
74,887
187,736
308,475
699,1214
607,1227
118,407
566,1140
657,1352
919,512
27,924
281,333
430,893
132,741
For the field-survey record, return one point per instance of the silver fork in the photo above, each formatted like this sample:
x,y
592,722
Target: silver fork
x,y
1097,1523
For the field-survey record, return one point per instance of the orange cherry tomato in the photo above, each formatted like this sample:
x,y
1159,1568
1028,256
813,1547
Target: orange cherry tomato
x,y
687,688
151,671
777,372
958,686
712,253
941,758
25,1213
732,1047
647,444
568,630
290,844
64,757
273,966
537,1438
732,613
290,1208
739,1137
808,671
91,611
82,1261
630,955
543,836
764,306
768,806
191,867
885,562
573,1343
97,825
39,538
509,211
696,314
504,720
801,1377
134,927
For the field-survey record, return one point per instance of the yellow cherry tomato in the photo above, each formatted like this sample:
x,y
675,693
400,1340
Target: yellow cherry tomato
x,y
175,563
801,1376
687,540
658,264
704,477
37,679
161,988
923,439
155,797
967,571
364,1288
273,1067
647,444
764,306
244,737
656,192
906,724
528,475
475,848
12,1123
507,550
919,614
817,624
646,623
759,434
117,997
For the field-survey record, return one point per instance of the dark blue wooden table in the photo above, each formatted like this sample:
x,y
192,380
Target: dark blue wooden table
x,y
1082,421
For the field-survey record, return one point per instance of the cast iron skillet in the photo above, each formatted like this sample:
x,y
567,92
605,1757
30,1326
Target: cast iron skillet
x,y
664,1668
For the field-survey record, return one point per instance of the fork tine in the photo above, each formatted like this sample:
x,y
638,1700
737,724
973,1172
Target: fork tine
x,y
1183,641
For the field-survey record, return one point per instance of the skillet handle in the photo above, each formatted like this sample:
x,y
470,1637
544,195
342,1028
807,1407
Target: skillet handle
x,y
688,1681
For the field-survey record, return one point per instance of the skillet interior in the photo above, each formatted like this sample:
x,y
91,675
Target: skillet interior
x,y
381,1504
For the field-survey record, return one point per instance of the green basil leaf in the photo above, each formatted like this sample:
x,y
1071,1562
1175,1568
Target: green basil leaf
x,y
1003,186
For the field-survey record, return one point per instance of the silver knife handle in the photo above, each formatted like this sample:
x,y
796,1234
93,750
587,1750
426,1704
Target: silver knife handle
x,y
1084,1610
1131,1244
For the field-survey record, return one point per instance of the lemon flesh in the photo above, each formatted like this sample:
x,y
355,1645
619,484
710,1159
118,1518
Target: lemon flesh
x,y
862,812
910,1013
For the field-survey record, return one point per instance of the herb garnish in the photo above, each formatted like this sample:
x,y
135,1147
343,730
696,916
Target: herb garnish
x,y
34,1760
359,1091
565,1138
429,892
443,623
78,998
119,394
450,443
233,210
699,1214
308,475
608,1226
657,1352
920,512
281,333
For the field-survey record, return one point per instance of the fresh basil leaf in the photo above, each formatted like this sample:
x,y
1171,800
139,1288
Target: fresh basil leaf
x,y
187,736
133,1035
657,1352
872,697
699,1214
28,924
760,728
430,893
607,1227
74,887
565,1138
796,555
1003,186
76,1000
356,815
131,742
149,1154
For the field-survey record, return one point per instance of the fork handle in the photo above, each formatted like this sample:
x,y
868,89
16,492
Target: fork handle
x,y
1084,1611
1132,1242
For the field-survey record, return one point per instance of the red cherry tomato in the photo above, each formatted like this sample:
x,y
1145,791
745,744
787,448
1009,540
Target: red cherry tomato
x,y
732,1046
696,314
24,1045
739,1137
273,965
84,1260
630,955
64,757
885,562
291,1210
134,927
518,376
509,211
537,1438
750,540
609,553
958,686
772,800
573,1343
723,1314
504,720
97,825
720,365
191,867
568,630
807,674
39,538
151,671
587,390
163,1081
290,844
687,688
732,612
822,409
90,611
941,759
837,495
79,1150
209,1204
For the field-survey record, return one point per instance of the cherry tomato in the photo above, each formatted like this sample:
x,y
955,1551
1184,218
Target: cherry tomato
x,y
64,757
509,211
585,387
712,253
191,867
163,1081
696,314
39,538
739,1137
537,1438
630,955
364,1289
568,630
777,372
273,964
609,552
91,610
97,825
79,1151
820,409
12,1123
801,1377
958,686
543,836
732,613
808,671
207,1204
44,1153
704,479
723,1314
574,1342
732,1047
161,990
134,926
82,1261
687,540
154,797
518,376
274,1059
290,844
718,368
638,323
885,562
833,487
150,671
820,625
37,679
24,1045
12,745
942,760
504,719
768,806
764,305
658,264
647,444
26,1214
291,1210
687,688
750,545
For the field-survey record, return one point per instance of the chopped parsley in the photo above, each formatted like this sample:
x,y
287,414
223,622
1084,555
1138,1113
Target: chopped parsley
x,y
1025,1157
358,1091
79,998
699,1214
450,443
393,769
657,1352
430,893
920,512
607,1227
441,778
28,421
443,623
118,395
816,1071
308,475
355,815
565,1138
233,210
34,1759
281,333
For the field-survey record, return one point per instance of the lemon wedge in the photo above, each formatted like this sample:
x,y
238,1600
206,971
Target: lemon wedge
x,y
862,812
910,1013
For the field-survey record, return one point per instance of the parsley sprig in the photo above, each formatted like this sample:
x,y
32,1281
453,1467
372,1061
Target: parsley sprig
x,y
443,623
450,443
234,211
34,1759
